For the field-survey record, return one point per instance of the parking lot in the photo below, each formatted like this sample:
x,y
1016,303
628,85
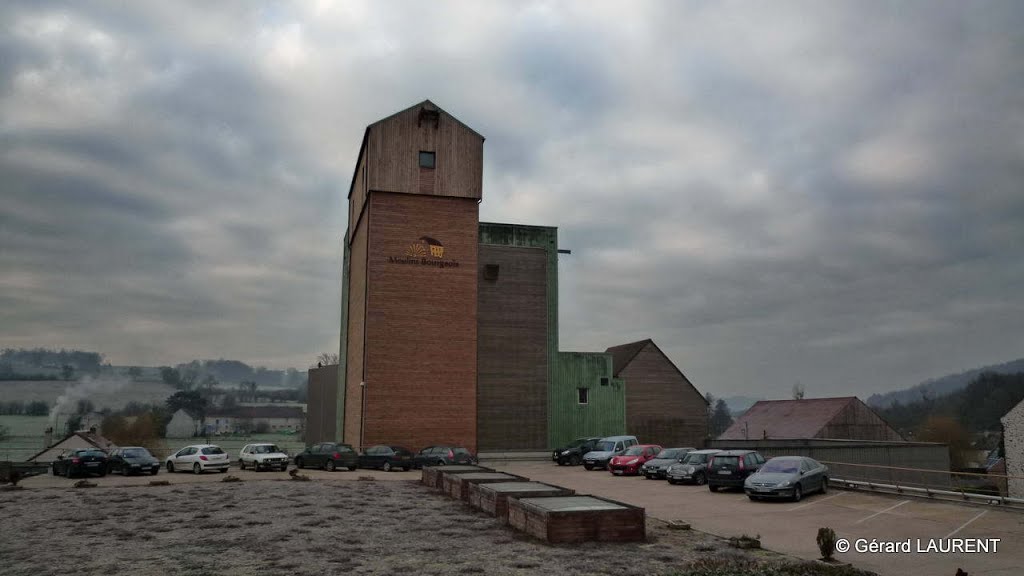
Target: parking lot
x,y
791,528
785,527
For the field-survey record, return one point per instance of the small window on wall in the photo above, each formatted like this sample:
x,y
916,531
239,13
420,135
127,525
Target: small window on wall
x,y
604,381
491,272
583,395
427,159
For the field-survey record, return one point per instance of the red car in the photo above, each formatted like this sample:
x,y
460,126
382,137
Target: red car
x,y
631,460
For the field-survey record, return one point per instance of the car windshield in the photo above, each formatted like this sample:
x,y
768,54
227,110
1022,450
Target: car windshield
x,y
461,451
265,449
90,453
782,466
577,443
634,451
212,450
136,453
671,453
604,447
692,458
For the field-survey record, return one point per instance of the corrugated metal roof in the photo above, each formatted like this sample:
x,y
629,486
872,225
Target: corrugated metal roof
x,y
786,418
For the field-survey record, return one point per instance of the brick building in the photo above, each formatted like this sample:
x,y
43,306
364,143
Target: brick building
x,y
449,327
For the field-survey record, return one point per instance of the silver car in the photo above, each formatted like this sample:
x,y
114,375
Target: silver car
x,y
787,477
692,469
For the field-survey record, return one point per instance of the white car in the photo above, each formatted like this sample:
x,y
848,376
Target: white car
x,y
199,458
262,456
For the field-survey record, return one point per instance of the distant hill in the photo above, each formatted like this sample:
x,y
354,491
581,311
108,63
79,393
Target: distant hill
x,y
944,386
977,407
740,404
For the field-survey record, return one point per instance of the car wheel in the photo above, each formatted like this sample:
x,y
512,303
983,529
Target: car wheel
x,y
672,482
102,472
441,462
351,468
701,479
197,469
797,493
752,498
574,460
712,487
222,470
298,463
824,485
405,468
170,466
241,464
386,467
154,471
588,466
67,472
331,466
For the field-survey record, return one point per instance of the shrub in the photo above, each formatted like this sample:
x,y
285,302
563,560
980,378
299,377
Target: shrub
x,y
826,542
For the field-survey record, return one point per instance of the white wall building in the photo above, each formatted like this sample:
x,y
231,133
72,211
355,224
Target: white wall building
x,y
1013,441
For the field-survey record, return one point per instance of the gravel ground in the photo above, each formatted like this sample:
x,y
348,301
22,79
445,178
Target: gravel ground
x,y
317,528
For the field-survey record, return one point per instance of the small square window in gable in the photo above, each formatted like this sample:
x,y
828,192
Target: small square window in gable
x,y
427,160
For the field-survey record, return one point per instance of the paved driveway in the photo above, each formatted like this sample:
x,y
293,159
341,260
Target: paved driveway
x,y
791,527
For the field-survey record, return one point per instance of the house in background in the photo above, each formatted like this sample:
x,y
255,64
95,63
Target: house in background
x,y
81,439
662,405
1013,443
243,419
182,425
845,418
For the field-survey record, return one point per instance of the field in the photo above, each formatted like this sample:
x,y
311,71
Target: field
x,y
103,392
315,528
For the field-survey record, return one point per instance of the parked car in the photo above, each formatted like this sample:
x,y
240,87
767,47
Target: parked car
x,y
572,453
655,468
329,456
132,460
729,468
262,457
442,456
79,461
386,458
787,477
629,462
199,458
605,449
693,469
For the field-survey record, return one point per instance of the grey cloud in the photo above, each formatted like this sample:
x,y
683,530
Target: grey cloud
x,y
827,193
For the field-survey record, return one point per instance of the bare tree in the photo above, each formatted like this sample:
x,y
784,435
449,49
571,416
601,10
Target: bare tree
x,y
798,391
327,358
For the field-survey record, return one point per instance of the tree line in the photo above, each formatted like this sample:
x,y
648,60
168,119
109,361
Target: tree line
x,y
80,360
977,407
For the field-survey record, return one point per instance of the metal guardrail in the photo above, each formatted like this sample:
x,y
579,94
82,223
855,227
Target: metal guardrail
x,y
945,485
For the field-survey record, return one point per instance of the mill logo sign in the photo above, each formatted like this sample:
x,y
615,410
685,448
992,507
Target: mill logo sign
x,y
425,245
426,251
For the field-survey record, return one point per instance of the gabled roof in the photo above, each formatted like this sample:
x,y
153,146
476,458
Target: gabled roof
x,y
786,418
1017,407
623,354
427,105
89,436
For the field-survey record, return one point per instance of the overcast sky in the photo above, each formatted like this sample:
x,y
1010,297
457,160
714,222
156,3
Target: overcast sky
x,y
775,192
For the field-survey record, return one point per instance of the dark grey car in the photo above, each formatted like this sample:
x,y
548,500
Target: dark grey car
x,y
787,477
443,456
655,468
132,460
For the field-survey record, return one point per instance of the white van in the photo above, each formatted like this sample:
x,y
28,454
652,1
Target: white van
x,y
606,449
